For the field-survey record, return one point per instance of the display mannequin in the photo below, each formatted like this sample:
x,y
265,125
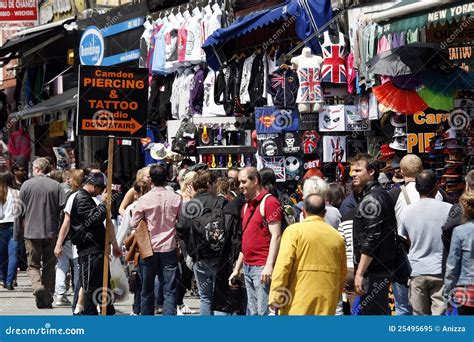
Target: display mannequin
x,y
310,94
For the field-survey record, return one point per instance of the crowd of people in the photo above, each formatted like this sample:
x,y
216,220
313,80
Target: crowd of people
x,y
325,251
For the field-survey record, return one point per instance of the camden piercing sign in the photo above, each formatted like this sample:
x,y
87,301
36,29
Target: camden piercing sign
x,y
421,127
113,101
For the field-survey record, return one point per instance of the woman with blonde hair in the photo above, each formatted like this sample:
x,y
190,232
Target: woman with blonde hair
x,y
459,277
186,186
184,281
143,175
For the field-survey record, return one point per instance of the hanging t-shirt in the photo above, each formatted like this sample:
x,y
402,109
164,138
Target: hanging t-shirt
x,y
171,45
175,94
271,67
310,85
334,68
210,108
185,93
159,55
197,92
193,41
182,40
244,84
214,23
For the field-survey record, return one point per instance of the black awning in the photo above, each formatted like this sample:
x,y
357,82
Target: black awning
x,y
65,100
31,36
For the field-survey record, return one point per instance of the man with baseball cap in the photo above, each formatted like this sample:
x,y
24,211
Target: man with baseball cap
x,y
88,234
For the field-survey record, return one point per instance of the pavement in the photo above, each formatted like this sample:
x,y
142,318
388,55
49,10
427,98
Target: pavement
x,y
22,302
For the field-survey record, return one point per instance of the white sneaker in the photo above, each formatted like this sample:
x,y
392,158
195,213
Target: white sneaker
x,y
62,301
184,310
79,309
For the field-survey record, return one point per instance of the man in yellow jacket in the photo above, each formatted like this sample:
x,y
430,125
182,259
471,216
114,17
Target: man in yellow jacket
x,y
311,266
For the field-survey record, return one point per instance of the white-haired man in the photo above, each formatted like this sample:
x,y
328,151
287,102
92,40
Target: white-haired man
x,y
317,186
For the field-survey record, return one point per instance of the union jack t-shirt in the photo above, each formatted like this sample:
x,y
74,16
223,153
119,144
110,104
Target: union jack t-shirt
x,y
310,85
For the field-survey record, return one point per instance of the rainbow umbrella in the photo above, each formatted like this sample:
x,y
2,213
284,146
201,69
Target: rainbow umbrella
x,y
436,100
399,100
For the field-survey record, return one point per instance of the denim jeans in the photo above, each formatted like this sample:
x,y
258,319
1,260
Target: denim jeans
x,y
257,293
402,304
375,300
205,272
77,282
136,307
158,293
92,272
8,255
62,268
164,265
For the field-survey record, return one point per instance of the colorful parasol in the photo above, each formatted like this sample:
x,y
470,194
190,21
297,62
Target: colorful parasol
x,y
399,100
439,101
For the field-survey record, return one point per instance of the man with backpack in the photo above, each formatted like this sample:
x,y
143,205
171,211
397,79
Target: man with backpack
x,y
261,234
88,234
202,226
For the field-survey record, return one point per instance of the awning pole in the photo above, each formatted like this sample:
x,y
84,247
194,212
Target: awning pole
x,y
217,55
315,34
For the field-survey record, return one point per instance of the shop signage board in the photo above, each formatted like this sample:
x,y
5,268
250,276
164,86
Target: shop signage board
x,y
113,101
96,41
13,13
421,127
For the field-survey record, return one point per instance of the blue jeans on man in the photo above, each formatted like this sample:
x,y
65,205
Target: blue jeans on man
x,y
402,304
205,273
8,255
164,265
257,292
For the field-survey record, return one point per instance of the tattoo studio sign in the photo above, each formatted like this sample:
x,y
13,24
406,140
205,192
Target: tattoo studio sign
x,y
421,127
112,101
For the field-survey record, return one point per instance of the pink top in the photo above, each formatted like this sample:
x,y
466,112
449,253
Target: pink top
x,y
160,207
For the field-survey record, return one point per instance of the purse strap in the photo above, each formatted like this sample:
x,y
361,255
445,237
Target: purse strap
x,y
405,194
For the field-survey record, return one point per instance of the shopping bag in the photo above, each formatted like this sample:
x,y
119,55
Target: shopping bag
x,y
118,280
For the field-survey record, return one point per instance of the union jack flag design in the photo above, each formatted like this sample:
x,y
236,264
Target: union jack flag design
x,y
310,86
277,81
334,69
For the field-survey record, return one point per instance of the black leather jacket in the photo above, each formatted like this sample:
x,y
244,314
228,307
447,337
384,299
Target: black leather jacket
x,y
374,229
87,224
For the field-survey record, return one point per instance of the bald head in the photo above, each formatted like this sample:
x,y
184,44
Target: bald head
x,y
411,166
250,182
314,205
251,172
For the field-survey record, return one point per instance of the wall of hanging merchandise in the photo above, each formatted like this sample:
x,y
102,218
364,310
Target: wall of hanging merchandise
x,y
220,142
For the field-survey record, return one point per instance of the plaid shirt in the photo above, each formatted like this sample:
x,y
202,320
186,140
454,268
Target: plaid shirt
x,y
463,296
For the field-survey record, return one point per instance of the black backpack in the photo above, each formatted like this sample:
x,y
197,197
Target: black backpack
x,y
208,233
184,141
